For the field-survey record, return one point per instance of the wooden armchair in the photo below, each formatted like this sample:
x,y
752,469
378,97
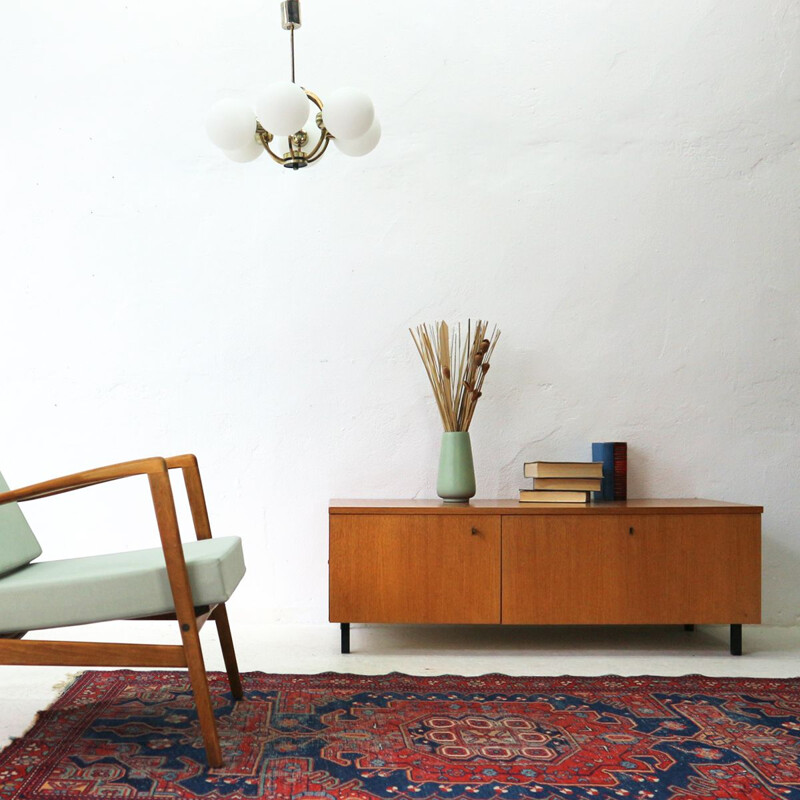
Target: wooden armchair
x,y
188,582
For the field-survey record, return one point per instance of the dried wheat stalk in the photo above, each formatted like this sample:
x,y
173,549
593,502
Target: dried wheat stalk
x,y
441,350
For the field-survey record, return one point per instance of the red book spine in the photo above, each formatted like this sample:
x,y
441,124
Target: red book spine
x,y
620,482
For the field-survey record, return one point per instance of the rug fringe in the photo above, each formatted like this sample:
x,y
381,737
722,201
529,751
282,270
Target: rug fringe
x,y
59,687
66,682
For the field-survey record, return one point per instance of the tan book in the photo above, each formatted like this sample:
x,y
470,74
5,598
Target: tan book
x,y
563,469
551,496
574,484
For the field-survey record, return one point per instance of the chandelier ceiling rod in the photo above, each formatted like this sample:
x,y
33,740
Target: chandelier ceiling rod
x,y
290,19
291,37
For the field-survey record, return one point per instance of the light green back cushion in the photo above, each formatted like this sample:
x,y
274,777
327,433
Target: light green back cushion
x,y
18,545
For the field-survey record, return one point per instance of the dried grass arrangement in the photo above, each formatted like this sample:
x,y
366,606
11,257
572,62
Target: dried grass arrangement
x,y
456,367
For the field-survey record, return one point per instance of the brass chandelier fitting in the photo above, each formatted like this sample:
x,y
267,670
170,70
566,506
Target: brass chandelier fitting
x,y
297,157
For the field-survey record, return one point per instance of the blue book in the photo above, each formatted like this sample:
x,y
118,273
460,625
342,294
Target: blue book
x,y
614,456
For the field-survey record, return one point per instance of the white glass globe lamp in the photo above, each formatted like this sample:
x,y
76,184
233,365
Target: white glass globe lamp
x,y
231,124
283,108
348,113
250,152
364,144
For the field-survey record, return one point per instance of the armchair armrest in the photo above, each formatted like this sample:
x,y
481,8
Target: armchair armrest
x,y
144,466
78,480
186,461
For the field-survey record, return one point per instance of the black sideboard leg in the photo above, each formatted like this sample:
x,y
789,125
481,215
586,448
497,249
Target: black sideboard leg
x,y
345,626
688,627
736,640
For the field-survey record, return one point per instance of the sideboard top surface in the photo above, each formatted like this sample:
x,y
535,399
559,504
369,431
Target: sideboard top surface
x,y
644,506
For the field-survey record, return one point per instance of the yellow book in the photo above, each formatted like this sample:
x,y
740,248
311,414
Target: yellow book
x,y
563,469
552,496
570,484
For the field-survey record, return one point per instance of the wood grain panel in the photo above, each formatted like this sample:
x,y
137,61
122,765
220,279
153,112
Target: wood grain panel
x,y
400,568
638,569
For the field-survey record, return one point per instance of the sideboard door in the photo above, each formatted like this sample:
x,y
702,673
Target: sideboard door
x,y
632,569
414,568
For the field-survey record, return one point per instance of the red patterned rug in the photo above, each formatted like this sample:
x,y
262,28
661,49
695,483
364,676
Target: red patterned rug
x,y
132,735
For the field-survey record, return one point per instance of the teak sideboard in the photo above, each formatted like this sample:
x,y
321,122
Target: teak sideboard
x,y
508,563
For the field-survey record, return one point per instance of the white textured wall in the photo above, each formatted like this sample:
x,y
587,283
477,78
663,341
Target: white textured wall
x,y
614,183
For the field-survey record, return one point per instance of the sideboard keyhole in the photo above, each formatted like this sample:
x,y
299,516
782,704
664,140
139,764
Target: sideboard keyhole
x,y
475,531
630,530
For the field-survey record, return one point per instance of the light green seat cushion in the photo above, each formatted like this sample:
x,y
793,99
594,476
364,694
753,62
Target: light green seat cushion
x,y
18,545
51,594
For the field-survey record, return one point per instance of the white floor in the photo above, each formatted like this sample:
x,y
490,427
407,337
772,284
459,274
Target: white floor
x,y
435,650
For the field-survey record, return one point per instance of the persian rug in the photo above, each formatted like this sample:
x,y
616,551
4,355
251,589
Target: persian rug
x,y
134,735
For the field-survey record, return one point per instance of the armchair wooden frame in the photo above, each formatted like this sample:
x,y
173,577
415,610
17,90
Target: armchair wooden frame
x,y
14,650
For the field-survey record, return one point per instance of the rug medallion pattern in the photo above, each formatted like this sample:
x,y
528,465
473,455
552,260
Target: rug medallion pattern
x,y
131,735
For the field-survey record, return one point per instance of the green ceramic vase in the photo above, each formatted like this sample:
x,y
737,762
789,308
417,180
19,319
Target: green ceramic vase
x,y
456,482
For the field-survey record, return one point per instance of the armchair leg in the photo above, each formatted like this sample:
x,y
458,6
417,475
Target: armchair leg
x,y
202,696
220,616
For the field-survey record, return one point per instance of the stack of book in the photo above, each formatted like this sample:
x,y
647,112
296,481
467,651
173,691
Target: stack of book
x,y
561,481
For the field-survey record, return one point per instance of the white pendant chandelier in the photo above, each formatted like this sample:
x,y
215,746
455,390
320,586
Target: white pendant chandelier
x,y
290,122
